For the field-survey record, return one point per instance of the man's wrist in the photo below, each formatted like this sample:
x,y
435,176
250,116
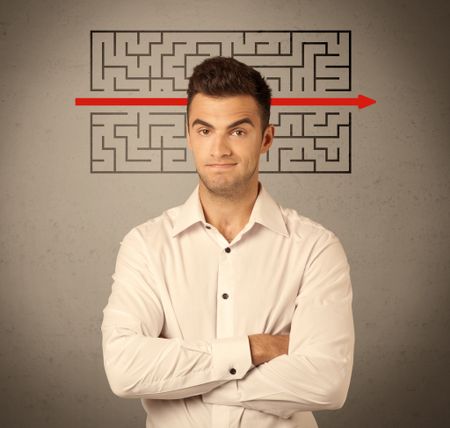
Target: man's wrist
x,y
257,349
264,347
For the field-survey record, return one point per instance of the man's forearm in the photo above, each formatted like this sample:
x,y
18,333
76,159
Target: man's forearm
x,y
140,366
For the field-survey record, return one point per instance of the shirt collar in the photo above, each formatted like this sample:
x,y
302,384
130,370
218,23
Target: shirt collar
x,y
191,212
266,212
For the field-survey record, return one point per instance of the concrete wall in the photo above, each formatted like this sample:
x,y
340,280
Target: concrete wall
x,y
61,225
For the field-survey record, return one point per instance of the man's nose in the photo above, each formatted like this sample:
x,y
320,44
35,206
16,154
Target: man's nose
x,y
220,146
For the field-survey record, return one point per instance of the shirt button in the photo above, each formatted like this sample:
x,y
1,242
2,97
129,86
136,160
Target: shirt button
x,y
233,371
208,227
228,249
225,295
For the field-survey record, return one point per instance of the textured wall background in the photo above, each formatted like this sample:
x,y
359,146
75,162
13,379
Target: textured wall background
x,y
61,225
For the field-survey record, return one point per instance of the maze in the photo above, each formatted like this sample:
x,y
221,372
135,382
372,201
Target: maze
x,y
159,63
140,141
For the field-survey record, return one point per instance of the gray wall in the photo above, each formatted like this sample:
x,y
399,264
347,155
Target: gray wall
x,y
61,226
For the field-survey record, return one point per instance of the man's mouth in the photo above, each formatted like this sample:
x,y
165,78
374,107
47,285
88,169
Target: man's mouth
x,y
221,165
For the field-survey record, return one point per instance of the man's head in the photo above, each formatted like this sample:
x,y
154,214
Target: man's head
x,y
228,129
223,77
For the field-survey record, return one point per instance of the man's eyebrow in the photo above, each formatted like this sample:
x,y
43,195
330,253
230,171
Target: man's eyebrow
x,y
201,122
231,125
240,122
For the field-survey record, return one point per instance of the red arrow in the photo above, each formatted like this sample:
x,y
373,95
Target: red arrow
x,y
361,101
130,101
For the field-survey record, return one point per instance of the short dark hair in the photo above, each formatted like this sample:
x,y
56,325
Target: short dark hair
x,y
225,76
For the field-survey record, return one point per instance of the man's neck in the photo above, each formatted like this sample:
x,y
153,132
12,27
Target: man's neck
x,y
228,215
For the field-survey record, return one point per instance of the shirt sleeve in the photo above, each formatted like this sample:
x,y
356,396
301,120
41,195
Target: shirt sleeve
x,y
140,364
316,372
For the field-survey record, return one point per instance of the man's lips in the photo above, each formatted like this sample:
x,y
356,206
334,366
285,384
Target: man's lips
x,y
221,165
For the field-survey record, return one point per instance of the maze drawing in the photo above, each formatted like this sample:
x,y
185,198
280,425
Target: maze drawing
x,y
158,64
140,141
161,62
143,141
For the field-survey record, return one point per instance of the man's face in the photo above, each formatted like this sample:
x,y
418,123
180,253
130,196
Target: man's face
x,y
226,139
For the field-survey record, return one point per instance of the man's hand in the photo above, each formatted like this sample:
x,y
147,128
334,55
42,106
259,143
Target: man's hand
x,y
265,347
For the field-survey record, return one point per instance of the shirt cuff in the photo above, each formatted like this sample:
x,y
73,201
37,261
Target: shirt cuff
x,y
231,356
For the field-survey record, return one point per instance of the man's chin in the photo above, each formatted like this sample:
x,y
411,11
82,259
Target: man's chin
x,y
220,187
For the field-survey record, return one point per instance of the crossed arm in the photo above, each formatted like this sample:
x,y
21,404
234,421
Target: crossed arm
x,y
308,370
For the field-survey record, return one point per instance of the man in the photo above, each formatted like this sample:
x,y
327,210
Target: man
x,y
230,310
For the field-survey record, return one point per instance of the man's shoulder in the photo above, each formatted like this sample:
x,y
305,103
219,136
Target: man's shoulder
x,y
304,227
156,227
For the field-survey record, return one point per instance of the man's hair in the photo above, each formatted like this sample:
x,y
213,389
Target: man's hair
x,y
225,76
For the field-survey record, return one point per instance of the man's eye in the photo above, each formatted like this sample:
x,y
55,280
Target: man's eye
x,y
239,132
203,131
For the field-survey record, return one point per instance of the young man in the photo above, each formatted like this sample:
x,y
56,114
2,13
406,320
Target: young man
x,y
230,310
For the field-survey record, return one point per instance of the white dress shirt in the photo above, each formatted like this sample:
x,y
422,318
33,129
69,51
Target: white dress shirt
x,y
184,301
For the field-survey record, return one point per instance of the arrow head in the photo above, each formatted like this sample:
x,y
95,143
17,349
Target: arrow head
x,y
364,102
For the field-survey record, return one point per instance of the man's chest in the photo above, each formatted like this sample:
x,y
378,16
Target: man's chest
x,y
209,290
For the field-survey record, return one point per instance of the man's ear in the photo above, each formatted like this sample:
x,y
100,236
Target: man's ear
x,y
267,139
